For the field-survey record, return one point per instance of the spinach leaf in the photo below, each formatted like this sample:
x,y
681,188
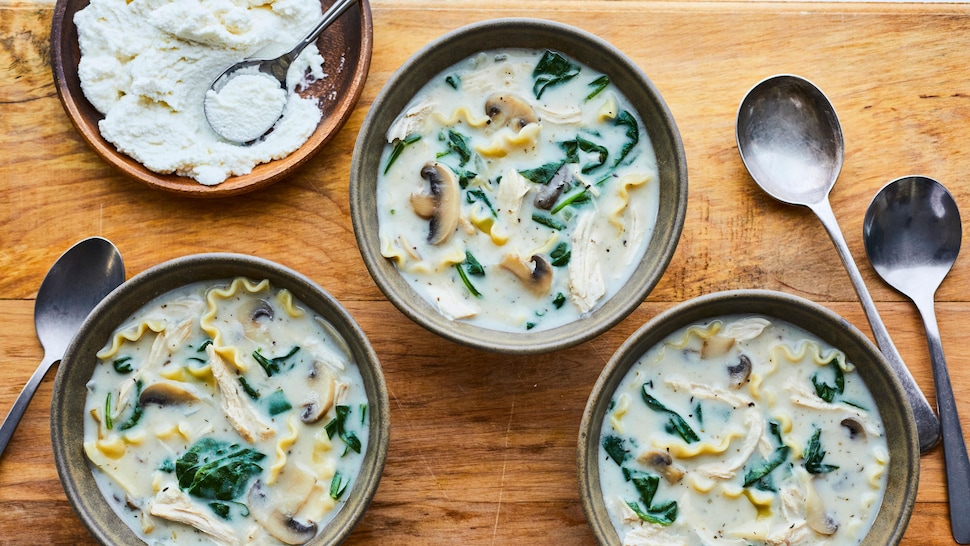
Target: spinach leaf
x,y
122,365
216,470
464,177
338,486
277,403
552,69
559,301
135,413
399,146
458,143
273,365
338,426
478,195
248,389
814,455
646,485
548,221
676,422
615,449
598,85
560,255
453,80
581,196
625,119
108,423
474,267
756,474
829,392
221,509
543,174
572,148
759,475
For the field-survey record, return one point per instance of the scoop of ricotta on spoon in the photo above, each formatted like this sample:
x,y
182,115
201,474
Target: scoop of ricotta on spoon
x,y
246,107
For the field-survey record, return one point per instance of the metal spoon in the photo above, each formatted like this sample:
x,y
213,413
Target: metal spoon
x,y
912,234
278,67
791,143
80,278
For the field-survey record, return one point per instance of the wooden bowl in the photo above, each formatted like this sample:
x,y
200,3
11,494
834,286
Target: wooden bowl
x,y
894,409
349,38
529,34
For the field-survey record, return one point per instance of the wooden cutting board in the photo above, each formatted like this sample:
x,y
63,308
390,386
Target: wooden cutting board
x,y
483,446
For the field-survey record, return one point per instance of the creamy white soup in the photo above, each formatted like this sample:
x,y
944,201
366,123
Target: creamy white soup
x,y
517,190
226,413
742,431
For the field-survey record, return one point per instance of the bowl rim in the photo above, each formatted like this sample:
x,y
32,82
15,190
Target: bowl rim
x,y
451,48
72,467
64,34
904,474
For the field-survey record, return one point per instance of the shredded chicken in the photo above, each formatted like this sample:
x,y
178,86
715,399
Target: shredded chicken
x,y
172,504
451,305
586,285
510,193
238,409
755,425
410,122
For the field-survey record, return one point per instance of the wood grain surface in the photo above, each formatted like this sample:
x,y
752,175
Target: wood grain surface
x,y
483,446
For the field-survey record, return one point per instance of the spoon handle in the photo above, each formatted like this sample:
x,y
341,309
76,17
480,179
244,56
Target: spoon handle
x,y
954,446
336,10
23,400
927,425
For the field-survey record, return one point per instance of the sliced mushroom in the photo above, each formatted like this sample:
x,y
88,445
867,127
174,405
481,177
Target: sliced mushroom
x,y
261,309
167,393
537,279
815,515
549,194
739,373
284,527
663,463
442,206
855,428
509,110
321,393
716,346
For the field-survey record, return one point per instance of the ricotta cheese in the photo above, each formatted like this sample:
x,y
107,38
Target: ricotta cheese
x,y
246,107
147,64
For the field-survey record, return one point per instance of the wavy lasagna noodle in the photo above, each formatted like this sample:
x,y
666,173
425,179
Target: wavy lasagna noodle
x,y
226,413
744,429
492,170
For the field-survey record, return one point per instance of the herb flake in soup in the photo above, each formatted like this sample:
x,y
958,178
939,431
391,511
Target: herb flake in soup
x,y
517,190
225,413
742,431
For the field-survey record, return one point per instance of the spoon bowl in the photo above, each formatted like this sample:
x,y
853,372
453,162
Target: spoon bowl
x,y
790,140
77,281
912,234
276,68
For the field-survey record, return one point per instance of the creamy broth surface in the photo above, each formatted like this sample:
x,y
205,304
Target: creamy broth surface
x,y
740,431
226,413
518,190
